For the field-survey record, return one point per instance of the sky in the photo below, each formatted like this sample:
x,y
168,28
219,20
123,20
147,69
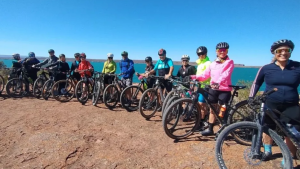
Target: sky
x,y
142,27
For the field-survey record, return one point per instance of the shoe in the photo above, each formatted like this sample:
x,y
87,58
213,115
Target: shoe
x,y
266,156
207,132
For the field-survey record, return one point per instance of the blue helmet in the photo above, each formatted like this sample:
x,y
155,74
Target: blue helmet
x,y
16,56
31,54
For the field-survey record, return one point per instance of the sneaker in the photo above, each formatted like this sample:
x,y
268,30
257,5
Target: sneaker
x,y
207,132
266,156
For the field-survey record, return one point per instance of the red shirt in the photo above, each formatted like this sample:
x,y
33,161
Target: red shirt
x,y
83,66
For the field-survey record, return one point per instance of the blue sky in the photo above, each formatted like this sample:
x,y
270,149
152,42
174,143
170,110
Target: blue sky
x,y
140,27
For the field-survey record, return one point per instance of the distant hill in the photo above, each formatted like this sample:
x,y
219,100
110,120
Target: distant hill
x,y
135,61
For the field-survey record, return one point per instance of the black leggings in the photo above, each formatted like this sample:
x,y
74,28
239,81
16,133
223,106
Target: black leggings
x,y
291,110
216,96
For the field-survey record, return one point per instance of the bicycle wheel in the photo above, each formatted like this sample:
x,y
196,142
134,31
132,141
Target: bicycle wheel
x,y
96,93
148,104
1,84
82,92
241,112
170,101
15,88
47,89
63,90
130,98
111,96
181,118
232,155
169,95
38,87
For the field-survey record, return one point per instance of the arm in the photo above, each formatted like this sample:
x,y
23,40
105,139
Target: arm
x,y
114,67
226,72
42,63
90,66
103,70
154,69
53,64
205,75
131,66
258,81
170,63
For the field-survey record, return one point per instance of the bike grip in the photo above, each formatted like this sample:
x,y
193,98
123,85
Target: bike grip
x,y
271,91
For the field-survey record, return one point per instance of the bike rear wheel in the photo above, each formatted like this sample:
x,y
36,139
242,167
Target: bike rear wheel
x,y
16,88
82,92
131,102
63,90
148,104
232,155
47,89
38,87
111,96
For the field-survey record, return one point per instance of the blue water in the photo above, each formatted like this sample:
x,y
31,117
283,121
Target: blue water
x,y
246,74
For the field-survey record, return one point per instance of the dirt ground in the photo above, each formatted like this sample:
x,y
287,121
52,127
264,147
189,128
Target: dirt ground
x,y
48,134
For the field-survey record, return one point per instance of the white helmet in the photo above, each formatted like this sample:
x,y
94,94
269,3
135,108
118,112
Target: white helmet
x,y
185,57
110,55
16,56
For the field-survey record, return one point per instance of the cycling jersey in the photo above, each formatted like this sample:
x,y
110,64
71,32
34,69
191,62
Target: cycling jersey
x,y
286,81
127,68
187,71
16,64
50,60
202,65
163,67
61,66
83,66
109,67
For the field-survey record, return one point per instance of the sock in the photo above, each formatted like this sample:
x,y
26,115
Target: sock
x,y
268,148
210,126
282,162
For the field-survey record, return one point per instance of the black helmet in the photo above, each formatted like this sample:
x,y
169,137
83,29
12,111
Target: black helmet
x,y
201,50
162,52
62,55
77,55
222,45
124,53
283,42
148,59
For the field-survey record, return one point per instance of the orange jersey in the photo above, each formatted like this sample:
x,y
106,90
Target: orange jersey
x,y
83,66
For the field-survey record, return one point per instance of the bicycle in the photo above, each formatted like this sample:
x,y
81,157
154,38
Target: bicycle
x,y
131,101
64,90
98,88
39,83
111,94
186,110
47,87
253,155
150,100
20,86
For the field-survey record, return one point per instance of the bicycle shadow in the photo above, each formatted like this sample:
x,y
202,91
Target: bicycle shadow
x,y
195,138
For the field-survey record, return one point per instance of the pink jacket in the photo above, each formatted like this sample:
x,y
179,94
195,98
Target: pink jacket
x,y
219,73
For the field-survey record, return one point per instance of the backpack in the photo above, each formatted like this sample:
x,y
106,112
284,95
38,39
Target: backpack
x,y
128,65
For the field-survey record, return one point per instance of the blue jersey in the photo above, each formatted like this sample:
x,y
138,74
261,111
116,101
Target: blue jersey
x,y
163,67
286,81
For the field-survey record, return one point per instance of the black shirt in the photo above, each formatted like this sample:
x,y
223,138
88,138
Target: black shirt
x,y
189,70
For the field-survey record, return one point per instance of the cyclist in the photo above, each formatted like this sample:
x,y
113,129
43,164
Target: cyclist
x,y
127,69
165,68
186,70
283,74
109,66
85,65
220,73
30,70
16,64
203,63
75,65
149,67
52,59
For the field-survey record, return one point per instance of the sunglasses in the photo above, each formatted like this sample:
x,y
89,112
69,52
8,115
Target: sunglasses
x,y
82,57
184,60
222,50
109,57
199,54
289,50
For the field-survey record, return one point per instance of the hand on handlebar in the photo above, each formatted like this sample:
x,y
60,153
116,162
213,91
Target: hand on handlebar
x,y
167,76
215,86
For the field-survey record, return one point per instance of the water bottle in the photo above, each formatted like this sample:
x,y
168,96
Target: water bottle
x,y
222,111
293,130
145,86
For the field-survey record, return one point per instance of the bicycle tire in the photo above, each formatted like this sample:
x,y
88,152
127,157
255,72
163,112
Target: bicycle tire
x,y
133,100
231,128
170,101
47,89
113,98
170,112
2,83
78,92
169,95
144,99
12,83
96,92
38,87
70,92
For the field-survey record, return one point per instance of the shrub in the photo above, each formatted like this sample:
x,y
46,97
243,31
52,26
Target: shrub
x,y
4,72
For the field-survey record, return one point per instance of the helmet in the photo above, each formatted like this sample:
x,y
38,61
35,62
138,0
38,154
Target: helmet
x,y
62,55
185,57
31,54
162,52
77,55
83,55
16,56
110,55
124,53
50,51
283,42
222,45
201,50
148,58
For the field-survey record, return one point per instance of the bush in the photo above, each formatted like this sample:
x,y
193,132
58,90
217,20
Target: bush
x,y
4,72
243,94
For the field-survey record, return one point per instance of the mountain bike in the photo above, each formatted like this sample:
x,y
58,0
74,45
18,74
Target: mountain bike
x,y
21,86
182,117
64,90
47,87
111,95
98,88
153,98
39,83
252,155
130,96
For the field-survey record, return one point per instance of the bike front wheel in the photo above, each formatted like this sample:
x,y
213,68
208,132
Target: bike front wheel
x,y
148,104
82,92
130,98
16,88
111,96
63,90
47,88
38,87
